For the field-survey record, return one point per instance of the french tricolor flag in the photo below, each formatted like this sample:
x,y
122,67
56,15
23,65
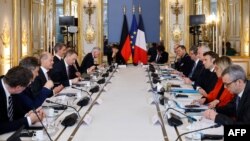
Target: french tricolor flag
x,y
140,50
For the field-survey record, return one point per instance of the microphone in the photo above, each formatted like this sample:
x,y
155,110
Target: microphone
x,y
189,117
81,90
48,101
85,100
94,89
162,100
105,74
110,69
160,90
155,80
34,110
70,120
101,81
213,126
154,74
151,68
174,120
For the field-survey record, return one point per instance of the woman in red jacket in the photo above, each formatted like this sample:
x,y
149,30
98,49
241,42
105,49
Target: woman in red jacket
x,y
219,96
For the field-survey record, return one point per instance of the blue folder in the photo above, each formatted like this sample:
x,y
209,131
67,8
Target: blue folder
x,y
184,90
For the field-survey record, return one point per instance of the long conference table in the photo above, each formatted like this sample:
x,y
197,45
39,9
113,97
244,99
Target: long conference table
x,y
121,110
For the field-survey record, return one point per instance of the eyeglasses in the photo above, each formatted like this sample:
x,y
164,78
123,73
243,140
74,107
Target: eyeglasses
x,y
228,84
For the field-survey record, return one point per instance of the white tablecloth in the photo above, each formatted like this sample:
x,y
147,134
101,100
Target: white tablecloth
x,y
125,114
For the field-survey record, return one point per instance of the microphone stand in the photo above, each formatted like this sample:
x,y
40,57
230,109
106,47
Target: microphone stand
x,y
82,90
213,126
48,101
189,117
42,124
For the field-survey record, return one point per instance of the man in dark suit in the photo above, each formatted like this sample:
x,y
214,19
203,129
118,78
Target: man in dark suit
x,y
197,67
208,78
238,110
26,99
162,55
10,85
60,50
152,52
64,72
44,76
184,64
88,64
114,56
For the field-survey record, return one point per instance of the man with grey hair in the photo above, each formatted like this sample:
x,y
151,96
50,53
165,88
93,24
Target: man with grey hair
x,y
63,72
44,76
238,110
88,64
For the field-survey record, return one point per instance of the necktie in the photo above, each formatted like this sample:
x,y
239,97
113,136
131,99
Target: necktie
x,y
191,73
10,108
48,76
237,103
67,69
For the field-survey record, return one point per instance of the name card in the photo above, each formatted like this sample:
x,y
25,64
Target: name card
x,y
122,66
99,101
156,120
79,95
87,119
105,89
151,101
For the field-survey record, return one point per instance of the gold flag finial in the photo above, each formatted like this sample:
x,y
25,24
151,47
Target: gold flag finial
x,y
139,9
124,10
133,10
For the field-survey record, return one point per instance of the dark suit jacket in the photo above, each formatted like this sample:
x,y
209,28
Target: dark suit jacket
x,y
163,58
117,59
242,116
5,124
206,80
184,64
56,60
197,71
152,52
59,74
87,62
26,100
38,83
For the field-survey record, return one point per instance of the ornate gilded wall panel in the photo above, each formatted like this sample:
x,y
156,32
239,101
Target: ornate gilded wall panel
x,y
234,24
25,27
38,26
6,34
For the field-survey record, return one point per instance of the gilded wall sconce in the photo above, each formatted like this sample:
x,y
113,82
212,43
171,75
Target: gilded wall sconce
x,y
89,30
177,32
24,41
5,36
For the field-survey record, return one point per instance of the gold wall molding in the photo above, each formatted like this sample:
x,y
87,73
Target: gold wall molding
x,y
99,28
38,27
67,7
243,61
80,47
15,55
